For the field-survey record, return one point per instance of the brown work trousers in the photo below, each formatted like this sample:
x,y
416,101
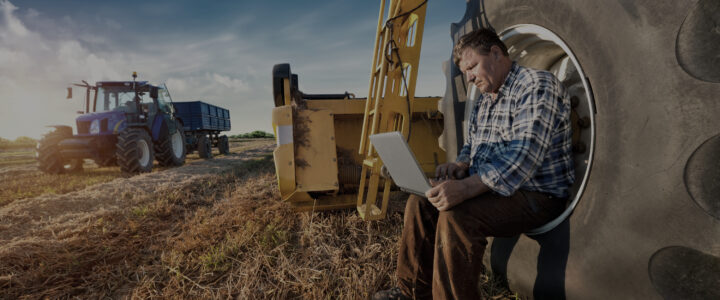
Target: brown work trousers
x,y
441,252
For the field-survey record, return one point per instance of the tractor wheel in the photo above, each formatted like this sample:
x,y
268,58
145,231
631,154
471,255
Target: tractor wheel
x,y
134,151
205,147
224,145
104,162
170,151
48,153
645,81
74,165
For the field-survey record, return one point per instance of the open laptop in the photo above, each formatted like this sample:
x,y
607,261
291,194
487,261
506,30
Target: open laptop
x,y
400,162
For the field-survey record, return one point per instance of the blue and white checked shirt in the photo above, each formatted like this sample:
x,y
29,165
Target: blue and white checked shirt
x,y
522,139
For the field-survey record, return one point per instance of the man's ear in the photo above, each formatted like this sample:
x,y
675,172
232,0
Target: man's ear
x,y
496,51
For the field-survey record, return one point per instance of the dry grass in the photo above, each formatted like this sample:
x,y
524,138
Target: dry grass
x,y
13,157
30,183
226,235
20,178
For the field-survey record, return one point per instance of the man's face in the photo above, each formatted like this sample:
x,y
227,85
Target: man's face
x,y
482,71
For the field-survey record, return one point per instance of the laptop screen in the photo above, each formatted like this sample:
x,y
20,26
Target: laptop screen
x,y
400,162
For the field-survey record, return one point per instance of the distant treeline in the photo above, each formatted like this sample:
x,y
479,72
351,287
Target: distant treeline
x,y
20,142
257,134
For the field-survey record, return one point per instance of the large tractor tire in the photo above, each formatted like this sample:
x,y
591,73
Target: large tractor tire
x,y
104,162
48,153
205,147
224,145
170,150
645,76
134,151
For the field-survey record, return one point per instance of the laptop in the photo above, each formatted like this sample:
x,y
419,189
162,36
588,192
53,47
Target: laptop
x,y
400,162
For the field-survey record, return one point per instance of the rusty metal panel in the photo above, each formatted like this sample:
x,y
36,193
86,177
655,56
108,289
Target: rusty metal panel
x,y
316,158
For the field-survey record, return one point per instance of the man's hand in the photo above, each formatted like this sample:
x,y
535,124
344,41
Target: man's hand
x,y
453,170
446,194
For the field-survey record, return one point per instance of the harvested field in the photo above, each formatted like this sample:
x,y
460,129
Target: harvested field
x,y
21,179
209,229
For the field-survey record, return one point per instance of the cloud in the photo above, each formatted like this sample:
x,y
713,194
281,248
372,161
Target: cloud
x,y
14,25
176,85
223,61
35,71
113,24
233,83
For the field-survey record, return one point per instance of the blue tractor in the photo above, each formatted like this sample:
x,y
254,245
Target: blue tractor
x,y
124,123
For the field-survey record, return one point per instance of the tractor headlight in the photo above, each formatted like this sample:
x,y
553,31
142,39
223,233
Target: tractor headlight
x,y
95,127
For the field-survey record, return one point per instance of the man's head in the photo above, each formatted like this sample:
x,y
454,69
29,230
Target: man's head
x,y
483,58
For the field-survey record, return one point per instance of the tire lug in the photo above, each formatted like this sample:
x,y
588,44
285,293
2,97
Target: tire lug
x,y
579,148
583,122
574,101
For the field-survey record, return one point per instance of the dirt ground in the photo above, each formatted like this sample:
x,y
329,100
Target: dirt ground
x,y
50,214
209,229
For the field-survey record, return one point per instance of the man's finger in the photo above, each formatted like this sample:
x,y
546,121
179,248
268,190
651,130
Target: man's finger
x,y
442,206
458,173
440,170
431,193
438,202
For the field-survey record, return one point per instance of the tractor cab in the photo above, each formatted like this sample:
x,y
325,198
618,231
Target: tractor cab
x,y
116,104
121,96
125,123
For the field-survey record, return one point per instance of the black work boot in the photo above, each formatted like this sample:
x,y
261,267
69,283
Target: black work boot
x,y
391,294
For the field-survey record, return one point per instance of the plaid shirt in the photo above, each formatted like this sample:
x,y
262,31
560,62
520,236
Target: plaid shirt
x,y
522,139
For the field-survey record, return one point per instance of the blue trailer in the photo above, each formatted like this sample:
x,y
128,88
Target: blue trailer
x,y
203,123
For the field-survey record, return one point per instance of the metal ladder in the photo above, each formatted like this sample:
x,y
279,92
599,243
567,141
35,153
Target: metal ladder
x,y
391,94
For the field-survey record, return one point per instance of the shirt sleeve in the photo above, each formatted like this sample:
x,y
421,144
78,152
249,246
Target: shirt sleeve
x,y
464,155
533,121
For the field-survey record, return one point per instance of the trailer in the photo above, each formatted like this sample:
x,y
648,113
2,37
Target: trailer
x,y
203,123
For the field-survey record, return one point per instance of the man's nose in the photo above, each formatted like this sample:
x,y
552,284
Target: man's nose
x,y
470,77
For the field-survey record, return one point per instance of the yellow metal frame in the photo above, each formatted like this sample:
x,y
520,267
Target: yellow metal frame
x,y
323,159
391,95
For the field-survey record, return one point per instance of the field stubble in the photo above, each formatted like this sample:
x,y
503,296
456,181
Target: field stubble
x,y
213,229
21,179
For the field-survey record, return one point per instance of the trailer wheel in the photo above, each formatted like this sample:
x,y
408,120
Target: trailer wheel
x,y
171,149
48,153
134,151
204,147
224,145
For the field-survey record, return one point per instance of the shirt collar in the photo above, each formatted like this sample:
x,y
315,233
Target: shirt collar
x,y
505,87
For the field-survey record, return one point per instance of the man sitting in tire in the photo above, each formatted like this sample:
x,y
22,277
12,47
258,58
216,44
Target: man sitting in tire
x,y
512,175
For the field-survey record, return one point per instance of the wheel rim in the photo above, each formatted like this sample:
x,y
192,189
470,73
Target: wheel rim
x,y
537,47
70,164
177,144
144,150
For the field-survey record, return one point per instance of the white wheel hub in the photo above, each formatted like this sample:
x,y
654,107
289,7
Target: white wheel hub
x,y
177,144
144,150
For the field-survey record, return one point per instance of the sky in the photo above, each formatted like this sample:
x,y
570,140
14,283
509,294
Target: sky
x,y
220,52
